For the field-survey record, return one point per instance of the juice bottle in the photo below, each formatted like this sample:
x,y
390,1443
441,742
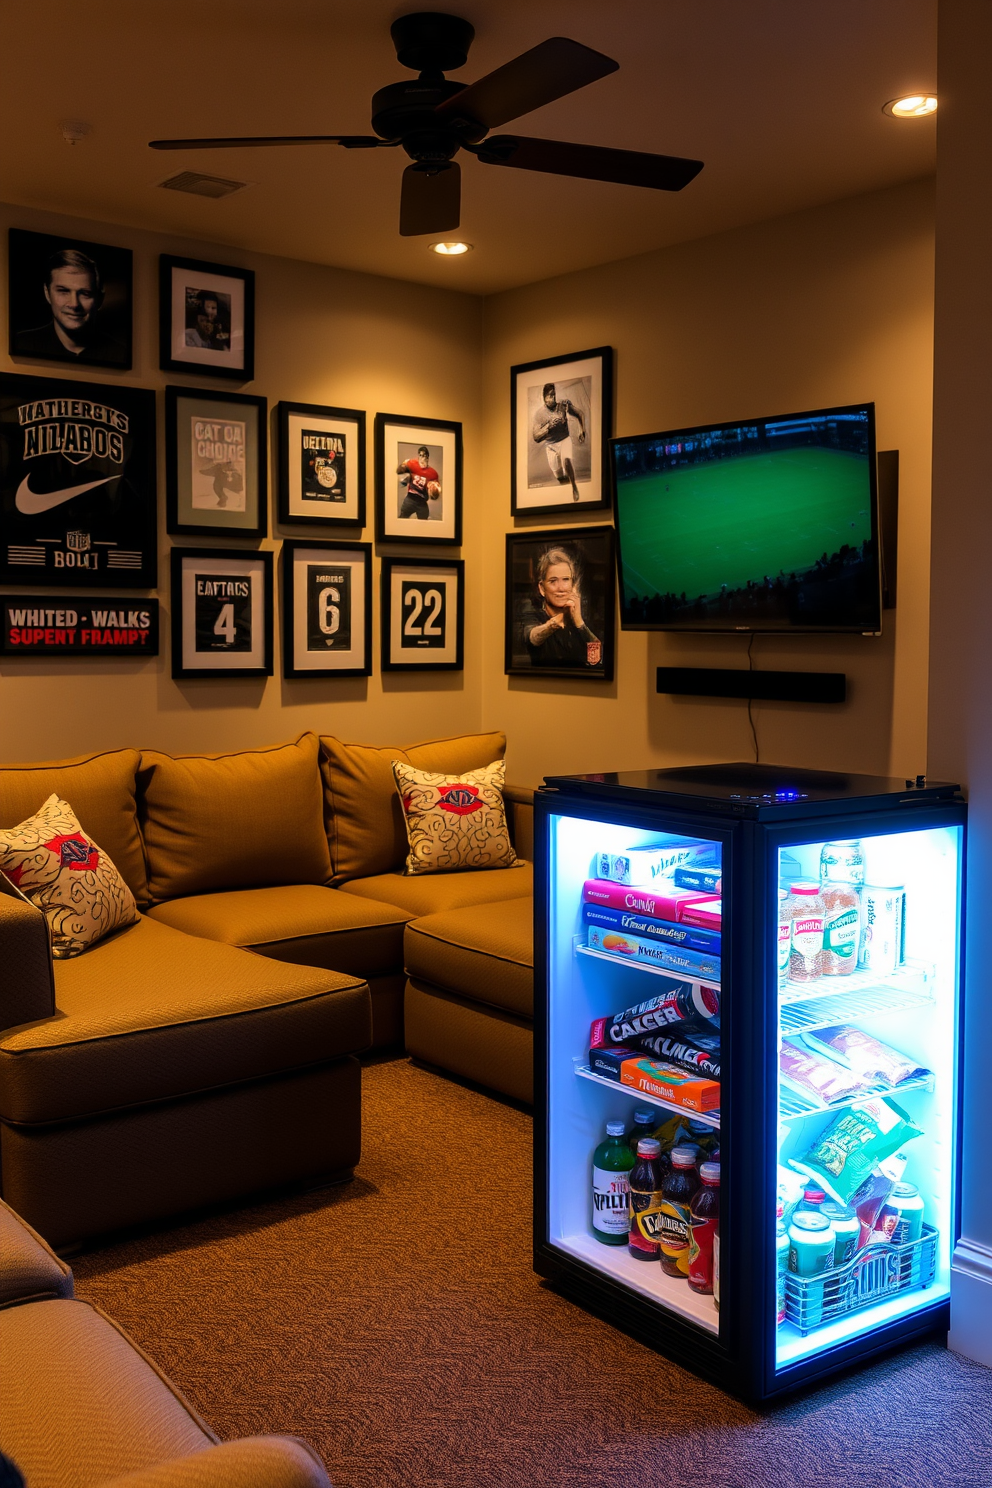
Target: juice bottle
x,y
704,1213
677,1193
611,1163
812,1201
644,1180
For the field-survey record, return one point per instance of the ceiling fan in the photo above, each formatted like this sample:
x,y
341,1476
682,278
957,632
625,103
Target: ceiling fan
x,y
433,119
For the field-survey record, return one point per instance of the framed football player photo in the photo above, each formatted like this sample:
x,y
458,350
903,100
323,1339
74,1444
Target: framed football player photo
x,y
206,318
560,603
77,483
221,613
418,480
321,465
70,300
423,614
327,609
215,463
561,415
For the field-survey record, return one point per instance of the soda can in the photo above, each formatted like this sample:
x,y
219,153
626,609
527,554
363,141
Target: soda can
x,y
883,919
905,1200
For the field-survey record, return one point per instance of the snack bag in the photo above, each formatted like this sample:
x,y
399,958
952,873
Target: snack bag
x,y
866,1056
872,1197
819,1078
680,1131
854,1144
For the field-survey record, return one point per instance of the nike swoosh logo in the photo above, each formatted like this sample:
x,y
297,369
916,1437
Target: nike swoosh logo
x,y
31,502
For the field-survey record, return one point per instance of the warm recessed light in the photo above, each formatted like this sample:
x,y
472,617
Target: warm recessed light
x,y
913,106
450,250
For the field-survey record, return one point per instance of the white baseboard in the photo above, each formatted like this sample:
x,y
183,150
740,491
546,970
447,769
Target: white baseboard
x,y
971,1301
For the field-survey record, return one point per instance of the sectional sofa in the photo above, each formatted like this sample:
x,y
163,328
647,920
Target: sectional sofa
x,y
210,1050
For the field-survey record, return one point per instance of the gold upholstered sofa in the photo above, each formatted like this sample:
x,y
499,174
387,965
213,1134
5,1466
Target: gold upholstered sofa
x,y
209,1050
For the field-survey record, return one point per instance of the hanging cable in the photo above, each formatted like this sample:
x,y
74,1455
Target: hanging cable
x,y
750,715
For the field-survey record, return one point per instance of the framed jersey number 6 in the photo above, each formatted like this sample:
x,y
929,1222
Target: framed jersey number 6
x,y
423,614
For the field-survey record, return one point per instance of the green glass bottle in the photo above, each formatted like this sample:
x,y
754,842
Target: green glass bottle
x,y
611,1163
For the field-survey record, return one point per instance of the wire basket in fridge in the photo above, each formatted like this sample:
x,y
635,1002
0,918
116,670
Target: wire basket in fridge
x,y
874,1273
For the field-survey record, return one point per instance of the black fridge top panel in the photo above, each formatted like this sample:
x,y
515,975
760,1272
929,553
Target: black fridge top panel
x,y
763,792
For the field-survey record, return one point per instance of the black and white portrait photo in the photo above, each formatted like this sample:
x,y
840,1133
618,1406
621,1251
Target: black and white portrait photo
x,y
560,602
561,417
70,301
206,318
418,479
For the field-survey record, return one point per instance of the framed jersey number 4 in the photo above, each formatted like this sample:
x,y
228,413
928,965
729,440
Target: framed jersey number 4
x,y
423,614
221,613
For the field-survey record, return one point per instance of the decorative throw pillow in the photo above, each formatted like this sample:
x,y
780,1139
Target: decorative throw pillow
x,y
62,871
454,821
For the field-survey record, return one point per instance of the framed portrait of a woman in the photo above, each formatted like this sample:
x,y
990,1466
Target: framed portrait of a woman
x,y
560,598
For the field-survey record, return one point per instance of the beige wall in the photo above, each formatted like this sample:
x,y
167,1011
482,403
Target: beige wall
x,y
825,307
323,336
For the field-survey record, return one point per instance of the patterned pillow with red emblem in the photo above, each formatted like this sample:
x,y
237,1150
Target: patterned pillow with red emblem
x,y
62,871
454,821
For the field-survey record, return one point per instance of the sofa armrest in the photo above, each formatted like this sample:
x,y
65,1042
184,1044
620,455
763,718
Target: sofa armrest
x,y
29,1270
521,799
26,957
275,1461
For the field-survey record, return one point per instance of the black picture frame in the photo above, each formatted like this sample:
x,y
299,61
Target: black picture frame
x,y
584,379
188,324
78,483
221,566
93,306
395,435
303,631
188,489
299,506
426,634
592,554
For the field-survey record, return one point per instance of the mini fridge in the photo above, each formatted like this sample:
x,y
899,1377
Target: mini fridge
x,y
760,967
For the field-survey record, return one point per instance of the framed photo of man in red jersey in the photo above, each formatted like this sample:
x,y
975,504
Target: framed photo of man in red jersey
x,y
561,416
418,480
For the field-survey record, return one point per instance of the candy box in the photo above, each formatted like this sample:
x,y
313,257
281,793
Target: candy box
x,y
671,1084
610,1062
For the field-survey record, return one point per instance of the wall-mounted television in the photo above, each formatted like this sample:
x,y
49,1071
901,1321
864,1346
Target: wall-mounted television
x,y
766,524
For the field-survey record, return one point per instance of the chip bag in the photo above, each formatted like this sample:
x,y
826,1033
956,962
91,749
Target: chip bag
x,y
853,1145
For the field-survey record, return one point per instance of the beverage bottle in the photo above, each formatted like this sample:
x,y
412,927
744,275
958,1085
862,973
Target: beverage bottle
x,y
811,1252
843,862
781,1269
611,1163
644,1181
812,1201
704,1213
806,911
677,1193
847,1231
716,1265
644,1120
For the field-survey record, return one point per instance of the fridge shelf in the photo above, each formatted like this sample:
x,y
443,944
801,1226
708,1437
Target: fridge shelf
x,y
914,979
850,1005
665,971
792,1105
708,1118
874,1273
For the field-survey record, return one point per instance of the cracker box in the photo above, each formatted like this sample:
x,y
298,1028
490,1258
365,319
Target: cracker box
x,y
706,913
671,1084
642,865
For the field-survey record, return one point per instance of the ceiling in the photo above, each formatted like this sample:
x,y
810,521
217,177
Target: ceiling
x,y
781,98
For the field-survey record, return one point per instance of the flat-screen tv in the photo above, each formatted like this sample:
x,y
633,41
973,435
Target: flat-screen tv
x,y
766,524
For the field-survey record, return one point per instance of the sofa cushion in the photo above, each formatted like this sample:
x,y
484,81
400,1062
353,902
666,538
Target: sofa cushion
x,y
454,822
433,892
151,1013
101,788
363,815
305,923
239,820
485,953
29,1269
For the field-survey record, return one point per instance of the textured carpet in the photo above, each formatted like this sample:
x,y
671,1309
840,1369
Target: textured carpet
x,y
397,1325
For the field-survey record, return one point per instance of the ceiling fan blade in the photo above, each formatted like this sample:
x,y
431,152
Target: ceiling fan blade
x,y
590,162
431,198
349,141
548,71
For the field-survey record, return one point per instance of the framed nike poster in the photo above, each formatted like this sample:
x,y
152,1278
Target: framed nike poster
x,y
423,614
77,483
221,613
321,465
327,609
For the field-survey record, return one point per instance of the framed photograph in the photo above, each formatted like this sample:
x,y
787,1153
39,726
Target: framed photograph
x,y
321,465
560,602
423,614
70,301
418,480
327,609
215,463
221,613
77,483
561,415
206,318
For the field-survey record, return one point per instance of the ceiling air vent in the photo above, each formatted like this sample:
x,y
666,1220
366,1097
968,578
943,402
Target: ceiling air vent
x,y
197,185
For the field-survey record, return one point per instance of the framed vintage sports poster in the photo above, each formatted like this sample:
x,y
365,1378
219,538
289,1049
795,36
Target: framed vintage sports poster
x,y
327,609
215,463
423,614
560,603
76,625
77,483
206,318
70,300
418,480
321,465
561,415
221,613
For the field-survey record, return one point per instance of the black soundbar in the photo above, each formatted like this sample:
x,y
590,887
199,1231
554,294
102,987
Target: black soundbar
x,y
786,687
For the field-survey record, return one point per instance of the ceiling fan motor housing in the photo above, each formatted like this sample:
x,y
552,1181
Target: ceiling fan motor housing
x,y
431,41
405,111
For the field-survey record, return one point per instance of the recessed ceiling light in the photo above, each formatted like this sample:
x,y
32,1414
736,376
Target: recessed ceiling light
x,y
913,106
450,250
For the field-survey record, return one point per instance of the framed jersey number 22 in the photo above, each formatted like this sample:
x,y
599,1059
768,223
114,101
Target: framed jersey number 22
x,y
423,614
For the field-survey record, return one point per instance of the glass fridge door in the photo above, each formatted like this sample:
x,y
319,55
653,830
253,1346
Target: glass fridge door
x,y
868,933
634,968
